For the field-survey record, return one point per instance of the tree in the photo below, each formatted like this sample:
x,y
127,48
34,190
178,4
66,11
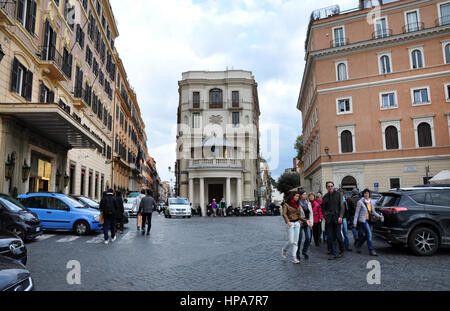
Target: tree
x,y
299,146
288,181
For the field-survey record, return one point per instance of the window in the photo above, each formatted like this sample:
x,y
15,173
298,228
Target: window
x,y
49,49
420,96
440,198
26,14
78,91
447,91
419,197
80,36
388,100
215,98
88,56
90,185
69,13
412,21
46,96
196,120
235,98
83,173
381,28
341,71
417,59
344,106
346,142
67,63
21,80
235,119
339,37
96,194
424,135
446,52
56,204
391,137
196,99
385,64
394,182
444,14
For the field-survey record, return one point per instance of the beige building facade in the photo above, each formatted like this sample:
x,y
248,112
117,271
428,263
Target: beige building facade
x,y
375,95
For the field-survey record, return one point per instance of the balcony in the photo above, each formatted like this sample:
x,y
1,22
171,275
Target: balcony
x,y
81,97
52,63
215,164
339,42
7,12
412,27
444,20
383,33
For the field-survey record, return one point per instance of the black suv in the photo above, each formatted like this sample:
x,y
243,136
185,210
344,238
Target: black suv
x,y
418,217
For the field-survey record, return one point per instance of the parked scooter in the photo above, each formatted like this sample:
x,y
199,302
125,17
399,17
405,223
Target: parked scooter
x,y
209,210
229,210
236,211
258,211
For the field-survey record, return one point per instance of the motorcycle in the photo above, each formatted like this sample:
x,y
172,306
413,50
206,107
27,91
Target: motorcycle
x,y
249,211
196,211
243,212
230,210
209,210
258,211
236,211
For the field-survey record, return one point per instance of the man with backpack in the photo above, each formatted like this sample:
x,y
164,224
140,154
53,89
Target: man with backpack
x,y
109,207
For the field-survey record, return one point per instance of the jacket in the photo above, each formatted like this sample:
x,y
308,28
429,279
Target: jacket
x,y
120,209
311,214
139,199
352,205
109,205
291,213
361,212
317,211
147,205
333,207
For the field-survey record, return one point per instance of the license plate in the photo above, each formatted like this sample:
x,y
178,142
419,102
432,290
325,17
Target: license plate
x,y
38,229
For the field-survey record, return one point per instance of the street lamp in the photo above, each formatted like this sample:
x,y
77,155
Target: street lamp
x,y
1,53
25,170
66,180
9,165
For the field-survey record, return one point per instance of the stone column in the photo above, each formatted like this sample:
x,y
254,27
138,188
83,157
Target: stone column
x,y
239,192
191,191
202,196
228,191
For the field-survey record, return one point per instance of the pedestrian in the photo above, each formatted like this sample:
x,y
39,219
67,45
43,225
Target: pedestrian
x,y
223,207
363,222
305,226
120,211
138,203
344,223
214,207
109,207
318,216
292,215
146,209
351,212
323,237
333,211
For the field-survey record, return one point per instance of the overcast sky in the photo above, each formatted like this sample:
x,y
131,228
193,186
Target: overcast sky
x,y
160,39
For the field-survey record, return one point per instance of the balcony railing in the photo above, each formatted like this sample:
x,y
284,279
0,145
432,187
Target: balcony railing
x,y
412,27
215,163
382,34
338,42
54,60
444,20
7,11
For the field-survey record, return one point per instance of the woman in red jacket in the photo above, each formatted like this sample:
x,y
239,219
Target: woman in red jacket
x,y
318,216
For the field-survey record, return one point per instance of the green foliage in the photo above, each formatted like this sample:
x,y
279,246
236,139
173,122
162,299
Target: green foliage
x,y
299,146
288,181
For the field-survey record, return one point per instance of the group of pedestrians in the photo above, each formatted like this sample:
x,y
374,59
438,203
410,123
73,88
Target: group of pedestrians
x,y
112,210
219,209
327,219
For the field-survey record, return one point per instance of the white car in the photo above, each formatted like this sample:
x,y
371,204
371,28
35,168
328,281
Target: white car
x,y
130,206
178,207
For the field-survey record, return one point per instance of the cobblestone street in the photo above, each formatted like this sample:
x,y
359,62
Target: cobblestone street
x,y
209,254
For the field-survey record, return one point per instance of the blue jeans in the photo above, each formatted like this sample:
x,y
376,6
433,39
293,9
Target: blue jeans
x,y
109,224
304,228
345,232
365,234
334,231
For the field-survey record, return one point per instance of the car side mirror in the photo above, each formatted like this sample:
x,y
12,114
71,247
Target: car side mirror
x,y
68,208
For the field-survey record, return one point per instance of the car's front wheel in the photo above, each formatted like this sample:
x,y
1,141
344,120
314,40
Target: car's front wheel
x,y
423,241
81,227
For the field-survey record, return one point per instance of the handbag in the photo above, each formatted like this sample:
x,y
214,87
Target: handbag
x,y
101,220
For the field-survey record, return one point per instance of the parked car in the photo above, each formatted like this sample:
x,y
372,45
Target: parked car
x,y
416,217
94,205
17,219
178,207
60,211
14,276
130,206
13,247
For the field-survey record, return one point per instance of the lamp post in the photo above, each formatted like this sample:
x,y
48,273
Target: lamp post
x,y
1,53
25,170
66,180
9,168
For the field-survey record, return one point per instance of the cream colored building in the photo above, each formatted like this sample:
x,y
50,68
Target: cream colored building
x,y
375,95
218,138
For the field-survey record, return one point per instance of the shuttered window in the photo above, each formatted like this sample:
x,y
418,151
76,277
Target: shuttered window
x,y
215,98
346,142
424,135
391,136
21,80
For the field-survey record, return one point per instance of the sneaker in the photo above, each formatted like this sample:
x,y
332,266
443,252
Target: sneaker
x,y
106,242
283,253
373,253
295,261
113,239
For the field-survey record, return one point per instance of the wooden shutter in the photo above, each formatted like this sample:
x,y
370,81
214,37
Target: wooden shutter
x,y
42,93
391,136
28,84
346,142
20,8
424,135
14,71
32,19
46,36
51,97
53,44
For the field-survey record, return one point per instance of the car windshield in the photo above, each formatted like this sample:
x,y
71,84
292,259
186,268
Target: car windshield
x,y
73,202
89,202
13,201
178,202
130,200
11,206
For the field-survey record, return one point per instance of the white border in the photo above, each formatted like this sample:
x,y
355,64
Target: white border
x,y
384,126
446,92
375,27
418,20
444,43
350,128
412,49
417,122
439,9
380,67
337,105
343,31
392,177
420,88
381,100
336,64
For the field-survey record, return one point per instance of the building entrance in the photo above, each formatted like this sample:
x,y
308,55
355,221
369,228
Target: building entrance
x,y
215,192
40,173
349,183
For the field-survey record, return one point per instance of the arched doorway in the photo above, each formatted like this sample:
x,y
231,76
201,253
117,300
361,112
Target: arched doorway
x,y
349,183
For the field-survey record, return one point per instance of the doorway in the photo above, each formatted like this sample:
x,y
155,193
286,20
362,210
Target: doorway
x,y
215,191
349,183
40,174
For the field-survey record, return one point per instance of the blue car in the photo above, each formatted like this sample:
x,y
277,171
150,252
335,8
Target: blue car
x,y
59,211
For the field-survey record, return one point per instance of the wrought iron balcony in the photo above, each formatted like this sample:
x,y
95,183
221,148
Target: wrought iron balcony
x,y
7,12
52,61
412,27
384,33
338,42
443,20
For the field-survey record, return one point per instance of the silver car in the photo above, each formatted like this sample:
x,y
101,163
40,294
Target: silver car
x,y
130,206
